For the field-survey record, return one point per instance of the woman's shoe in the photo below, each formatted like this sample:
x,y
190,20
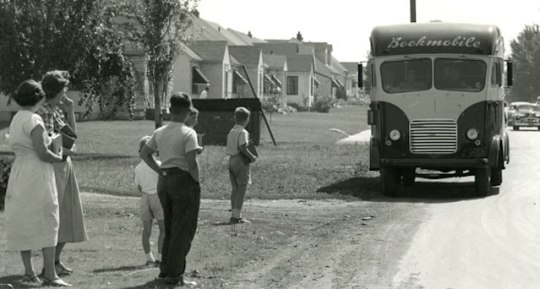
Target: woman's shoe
x,y
31,278
57,282
61,269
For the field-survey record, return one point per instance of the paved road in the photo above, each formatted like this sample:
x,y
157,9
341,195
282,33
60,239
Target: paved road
x,y
492,242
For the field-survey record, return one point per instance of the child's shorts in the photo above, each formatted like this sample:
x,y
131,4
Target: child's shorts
x,y
150,208
239,171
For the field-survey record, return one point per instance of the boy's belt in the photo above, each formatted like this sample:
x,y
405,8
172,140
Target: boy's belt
x,y
172,171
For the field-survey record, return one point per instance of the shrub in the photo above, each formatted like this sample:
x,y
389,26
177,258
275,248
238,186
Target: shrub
x,y
323,104
297,106
5,168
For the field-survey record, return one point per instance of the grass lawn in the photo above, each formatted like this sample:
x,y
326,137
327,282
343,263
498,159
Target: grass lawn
x,y
304,160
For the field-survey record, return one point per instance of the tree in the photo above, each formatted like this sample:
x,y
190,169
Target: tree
x,y
160,27
526,63
73,35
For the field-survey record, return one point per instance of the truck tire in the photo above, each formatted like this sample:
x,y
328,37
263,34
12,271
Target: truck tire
x,y
496,177
516,128
389,182
481,182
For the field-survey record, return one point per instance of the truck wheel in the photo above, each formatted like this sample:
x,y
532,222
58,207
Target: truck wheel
x,y
538,127
481,181
389,181
516,128
408,176
496,177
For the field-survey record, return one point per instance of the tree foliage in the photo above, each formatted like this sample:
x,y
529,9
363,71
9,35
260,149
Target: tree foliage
x,y
526,64
159,26
73,35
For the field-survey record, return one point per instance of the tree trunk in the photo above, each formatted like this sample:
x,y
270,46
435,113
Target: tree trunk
x,y
157,104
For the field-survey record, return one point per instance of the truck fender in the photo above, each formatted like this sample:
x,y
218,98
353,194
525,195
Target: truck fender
x,y
494,151
374,155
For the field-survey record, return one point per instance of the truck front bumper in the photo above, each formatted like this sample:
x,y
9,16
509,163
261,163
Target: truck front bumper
x,y
436,163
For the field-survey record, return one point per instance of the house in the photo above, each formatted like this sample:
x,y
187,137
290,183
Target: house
x,y
275,75
251,58
352,79
213,68
300,83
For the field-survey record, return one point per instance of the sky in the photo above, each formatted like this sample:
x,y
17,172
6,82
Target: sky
x,y
347,24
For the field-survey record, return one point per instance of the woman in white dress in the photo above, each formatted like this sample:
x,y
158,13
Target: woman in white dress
x,y
31,197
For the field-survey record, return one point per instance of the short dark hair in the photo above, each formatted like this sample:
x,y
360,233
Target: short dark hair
x,y
28,93
241,114
180,103
54,81
193,111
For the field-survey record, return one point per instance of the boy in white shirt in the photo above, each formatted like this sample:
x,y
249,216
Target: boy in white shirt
x,y
239,172
146,180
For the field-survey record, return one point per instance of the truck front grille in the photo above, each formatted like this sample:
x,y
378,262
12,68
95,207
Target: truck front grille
x,y
433,136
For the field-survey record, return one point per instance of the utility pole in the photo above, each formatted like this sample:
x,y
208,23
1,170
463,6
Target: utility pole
x,y
413,11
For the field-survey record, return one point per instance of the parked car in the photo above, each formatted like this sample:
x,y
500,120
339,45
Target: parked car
x,y
524,114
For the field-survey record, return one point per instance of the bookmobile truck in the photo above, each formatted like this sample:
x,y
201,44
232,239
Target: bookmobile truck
x,y
437,104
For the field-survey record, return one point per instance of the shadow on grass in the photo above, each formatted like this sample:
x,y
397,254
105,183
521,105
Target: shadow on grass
x,y
369,189
123,268
17,281
153,284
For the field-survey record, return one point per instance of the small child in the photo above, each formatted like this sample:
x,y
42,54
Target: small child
x,y
193,118
146,180
239,173
192,121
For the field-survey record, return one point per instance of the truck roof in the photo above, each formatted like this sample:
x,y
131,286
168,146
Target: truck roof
x,y
436,37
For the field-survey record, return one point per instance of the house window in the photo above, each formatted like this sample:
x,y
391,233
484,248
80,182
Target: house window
x,y
292,85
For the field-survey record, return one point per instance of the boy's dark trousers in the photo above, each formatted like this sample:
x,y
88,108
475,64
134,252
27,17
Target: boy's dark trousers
x,y
180,197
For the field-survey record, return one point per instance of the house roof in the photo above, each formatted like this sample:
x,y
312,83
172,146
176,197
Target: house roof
x,y
203,30
284,48
292,40
275,61
210,51
190,53
243,38
247,55
337,66
322,68
352,67
300,63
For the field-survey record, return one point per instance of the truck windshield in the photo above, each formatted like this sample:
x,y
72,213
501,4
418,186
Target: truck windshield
x,y
460,75
406,76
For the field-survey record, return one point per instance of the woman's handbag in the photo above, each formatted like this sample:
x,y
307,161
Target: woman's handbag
x,y
68,136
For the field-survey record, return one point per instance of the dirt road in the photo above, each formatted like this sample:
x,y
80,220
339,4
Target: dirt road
x,y
492,242
436,236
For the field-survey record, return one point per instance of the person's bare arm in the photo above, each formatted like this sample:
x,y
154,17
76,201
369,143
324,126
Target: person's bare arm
x,y
67,106
146,156
43,152
193,165
243,149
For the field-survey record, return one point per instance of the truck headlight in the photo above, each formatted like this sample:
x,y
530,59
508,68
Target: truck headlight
x,y
394,135
472,134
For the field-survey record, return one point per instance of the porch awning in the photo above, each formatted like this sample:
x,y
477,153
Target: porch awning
x,y
339,82
269,79
238,78
199,77
336,83
276,80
